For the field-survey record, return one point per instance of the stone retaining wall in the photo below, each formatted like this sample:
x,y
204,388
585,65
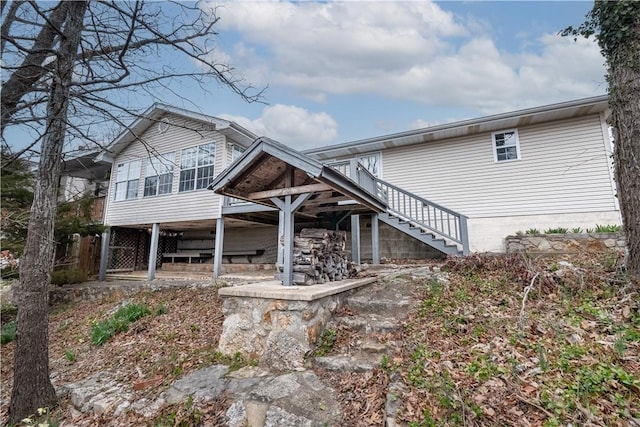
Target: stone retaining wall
x,y
566,243
277,332
280,325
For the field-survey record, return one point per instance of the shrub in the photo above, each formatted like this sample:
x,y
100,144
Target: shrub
x,y
68,277
532,231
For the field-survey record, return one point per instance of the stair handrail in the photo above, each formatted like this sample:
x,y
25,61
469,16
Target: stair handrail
x,y
453,227
456,229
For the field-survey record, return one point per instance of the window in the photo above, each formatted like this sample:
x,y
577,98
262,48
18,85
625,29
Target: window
x,y
127,175
159,175
237,151
196,167
506,145
371,162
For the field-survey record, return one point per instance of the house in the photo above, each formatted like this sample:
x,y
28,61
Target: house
x,y
536,168
448,189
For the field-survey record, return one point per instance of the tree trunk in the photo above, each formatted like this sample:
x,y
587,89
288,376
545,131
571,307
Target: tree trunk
x,y
624,92
32,388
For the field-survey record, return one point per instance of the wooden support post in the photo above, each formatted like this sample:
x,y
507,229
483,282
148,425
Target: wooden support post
x,y
355,238
217,251
287,278
104,254
375,240
153,251
280,238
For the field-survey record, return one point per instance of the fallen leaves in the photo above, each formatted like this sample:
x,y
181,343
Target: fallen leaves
x,y
497,350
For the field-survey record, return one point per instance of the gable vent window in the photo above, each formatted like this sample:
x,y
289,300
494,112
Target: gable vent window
x,y
127,176
159,175
506,146
196,167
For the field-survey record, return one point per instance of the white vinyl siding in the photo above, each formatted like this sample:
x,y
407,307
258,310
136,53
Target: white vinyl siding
x,y
127,178
186,206
564,169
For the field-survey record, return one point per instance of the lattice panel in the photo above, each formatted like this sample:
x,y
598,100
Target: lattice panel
x,y
122,249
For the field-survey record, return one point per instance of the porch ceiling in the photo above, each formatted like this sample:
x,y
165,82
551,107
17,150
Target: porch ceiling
x,y
269,170
203,224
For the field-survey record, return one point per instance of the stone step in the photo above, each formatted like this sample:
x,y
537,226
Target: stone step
x,y
371,304
356,362
368,323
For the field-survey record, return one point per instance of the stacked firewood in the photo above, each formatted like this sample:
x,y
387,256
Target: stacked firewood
x,y
319,256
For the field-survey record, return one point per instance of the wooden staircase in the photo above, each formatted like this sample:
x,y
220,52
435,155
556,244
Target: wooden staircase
x,y
433,224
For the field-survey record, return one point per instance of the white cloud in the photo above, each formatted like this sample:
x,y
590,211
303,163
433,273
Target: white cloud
x,y
403,50
291,125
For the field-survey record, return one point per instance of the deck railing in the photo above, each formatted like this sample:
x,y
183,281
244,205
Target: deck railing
x,y
431,217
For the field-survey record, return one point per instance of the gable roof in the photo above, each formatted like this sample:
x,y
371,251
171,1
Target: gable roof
x,y
261,171
156,112
514,119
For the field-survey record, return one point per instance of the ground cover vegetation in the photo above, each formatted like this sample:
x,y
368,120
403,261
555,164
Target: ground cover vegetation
x,y
501,340
512,340
608,228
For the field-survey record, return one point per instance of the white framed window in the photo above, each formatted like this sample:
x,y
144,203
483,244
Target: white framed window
x,y
506,145
158,177
197,167
372,163
127,176
237,151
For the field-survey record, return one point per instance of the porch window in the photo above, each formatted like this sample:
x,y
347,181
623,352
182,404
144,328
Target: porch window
x,y
127,176
505,145
159,175
196,167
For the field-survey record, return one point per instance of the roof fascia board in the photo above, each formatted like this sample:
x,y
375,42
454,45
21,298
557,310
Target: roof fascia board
x,y
459,124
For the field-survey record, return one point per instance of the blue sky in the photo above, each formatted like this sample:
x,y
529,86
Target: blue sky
x,y
343,71
339,71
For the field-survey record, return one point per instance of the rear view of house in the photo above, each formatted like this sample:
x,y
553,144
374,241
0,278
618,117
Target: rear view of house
x,y
448,189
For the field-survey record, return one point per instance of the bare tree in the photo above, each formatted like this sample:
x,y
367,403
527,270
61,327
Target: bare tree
x,y
616,26
70,69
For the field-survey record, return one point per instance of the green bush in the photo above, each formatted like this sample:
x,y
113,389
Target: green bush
x,y
532,231
68,277
102,332
8,333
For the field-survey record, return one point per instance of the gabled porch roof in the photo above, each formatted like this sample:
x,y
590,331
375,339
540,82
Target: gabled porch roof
x,y
269,170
